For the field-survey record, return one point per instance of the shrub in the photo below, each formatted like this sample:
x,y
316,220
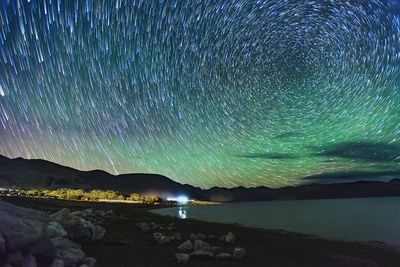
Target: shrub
x,y
92,195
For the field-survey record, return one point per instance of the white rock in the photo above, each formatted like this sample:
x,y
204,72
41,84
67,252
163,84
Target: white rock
x,y
164,240
193,237
201,236
182,257
186,246
157,236
230,238
201,245
202,254
239,253
223,256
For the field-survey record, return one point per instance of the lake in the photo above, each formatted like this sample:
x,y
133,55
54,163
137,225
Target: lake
x,y
361,219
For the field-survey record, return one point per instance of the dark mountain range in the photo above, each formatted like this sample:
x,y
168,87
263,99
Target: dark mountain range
x,y
23,173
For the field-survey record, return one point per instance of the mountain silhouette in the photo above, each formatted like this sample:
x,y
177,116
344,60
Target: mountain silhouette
x,y
37,173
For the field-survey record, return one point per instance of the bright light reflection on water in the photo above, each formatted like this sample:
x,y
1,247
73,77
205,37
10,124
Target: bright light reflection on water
x,y
181,212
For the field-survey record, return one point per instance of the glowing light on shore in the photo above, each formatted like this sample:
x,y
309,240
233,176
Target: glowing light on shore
x,y
180,199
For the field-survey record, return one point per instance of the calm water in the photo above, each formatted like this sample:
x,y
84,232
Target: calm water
x,y
361,219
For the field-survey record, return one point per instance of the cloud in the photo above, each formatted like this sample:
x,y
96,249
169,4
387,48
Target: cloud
x,y
354,176
377,152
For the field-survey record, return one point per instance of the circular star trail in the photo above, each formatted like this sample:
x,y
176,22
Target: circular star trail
x,y
206,92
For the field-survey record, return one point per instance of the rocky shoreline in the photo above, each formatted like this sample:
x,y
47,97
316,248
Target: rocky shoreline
x,y
81,234
30,238
196,246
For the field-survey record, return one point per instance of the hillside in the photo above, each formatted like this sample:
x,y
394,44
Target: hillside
x,y
23,173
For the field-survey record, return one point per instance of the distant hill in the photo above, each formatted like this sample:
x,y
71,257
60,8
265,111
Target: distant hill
x,y
21,172
25,173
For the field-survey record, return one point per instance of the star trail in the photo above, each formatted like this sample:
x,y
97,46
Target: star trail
x,y
209,92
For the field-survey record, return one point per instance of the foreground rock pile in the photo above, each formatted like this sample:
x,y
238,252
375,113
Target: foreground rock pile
x,y
197,246
32,238
78,224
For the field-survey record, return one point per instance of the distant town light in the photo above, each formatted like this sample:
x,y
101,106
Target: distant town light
x,y
180,199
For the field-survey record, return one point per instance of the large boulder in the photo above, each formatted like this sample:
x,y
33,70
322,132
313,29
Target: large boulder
x,y
21,227
164,240
79,229
57,263
54,229
44,248
223,256
202,254
77,226
201,245
63,216
15,258
67,251
29,261
2,244
193,237
98,233
89,261
186,246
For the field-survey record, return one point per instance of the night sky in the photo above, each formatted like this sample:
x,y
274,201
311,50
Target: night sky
x,y
210,92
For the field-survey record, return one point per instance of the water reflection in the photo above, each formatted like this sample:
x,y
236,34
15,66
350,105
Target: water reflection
x,y
348,219
182,212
